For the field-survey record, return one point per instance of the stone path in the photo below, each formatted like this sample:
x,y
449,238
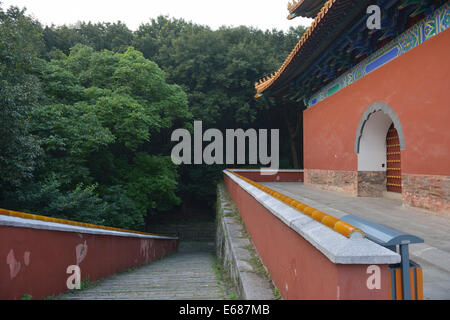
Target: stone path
x,y
185,275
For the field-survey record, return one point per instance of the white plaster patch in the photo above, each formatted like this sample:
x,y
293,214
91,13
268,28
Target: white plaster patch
x,y
81,252
14,265
146,249
26,258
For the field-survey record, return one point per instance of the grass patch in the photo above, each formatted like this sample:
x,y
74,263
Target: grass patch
x,y
226,283
234,210
87,283
260,269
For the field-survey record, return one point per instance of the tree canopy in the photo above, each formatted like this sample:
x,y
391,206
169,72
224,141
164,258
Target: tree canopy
x,y
87,112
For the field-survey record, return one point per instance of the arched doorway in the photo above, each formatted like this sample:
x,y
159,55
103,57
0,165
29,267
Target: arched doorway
x,y
372,145
379,139
394,166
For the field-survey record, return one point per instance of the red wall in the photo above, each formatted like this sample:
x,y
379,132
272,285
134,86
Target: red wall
x,y
281,176
298,269
51,252
416,85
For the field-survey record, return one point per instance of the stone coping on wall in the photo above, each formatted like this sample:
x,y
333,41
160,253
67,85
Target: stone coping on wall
x,y
336,247
43,225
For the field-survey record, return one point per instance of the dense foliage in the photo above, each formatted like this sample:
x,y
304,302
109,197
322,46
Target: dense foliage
x,y
87,112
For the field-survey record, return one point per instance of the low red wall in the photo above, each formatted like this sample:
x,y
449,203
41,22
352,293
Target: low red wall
x,y
299,270
280,176
35,261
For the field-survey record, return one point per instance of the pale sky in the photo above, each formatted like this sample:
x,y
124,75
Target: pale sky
x,y
263,14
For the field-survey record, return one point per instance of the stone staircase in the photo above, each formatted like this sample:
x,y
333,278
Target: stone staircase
x,y
188,231
185,275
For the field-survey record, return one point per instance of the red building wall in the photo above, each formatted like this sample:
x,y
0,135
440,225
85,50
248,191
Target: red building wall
x,y
417,86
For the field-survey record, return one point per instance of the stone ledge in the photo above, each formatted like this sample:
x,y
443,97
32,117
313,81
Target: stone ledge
x,y
336,247
232,247
43,225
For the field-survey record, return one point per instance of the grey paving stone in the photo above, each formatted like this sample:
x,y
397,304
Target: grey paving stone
x,y
185,275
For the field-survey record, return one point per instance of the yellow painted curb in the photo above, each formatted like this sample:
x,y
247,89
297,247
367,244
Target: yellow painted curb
x,y
332,222
68,222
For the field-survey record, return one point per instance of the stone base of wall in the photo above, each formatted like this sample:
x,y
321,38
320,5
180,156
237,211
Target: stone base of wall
x,y
333,180
429,192
361,183
371,183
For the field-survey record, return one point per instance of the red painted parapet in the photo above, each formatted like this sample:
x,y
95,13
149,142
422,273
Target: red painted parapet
x,y
286,175
297,267
36,255
330,221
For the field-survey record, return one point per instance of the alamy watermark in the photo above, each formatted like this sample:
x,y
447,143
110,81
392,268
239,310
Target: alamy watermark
x,y
374,19
374,280
235,147
74,280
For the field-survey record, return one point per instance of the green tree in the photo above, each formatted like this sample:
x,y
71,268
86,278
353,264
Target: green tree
x,y
101,113
20,44
85,133
218,70
100,36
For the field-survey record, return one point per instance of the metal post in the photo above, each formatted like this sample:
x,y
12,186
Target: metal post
x,y
406,284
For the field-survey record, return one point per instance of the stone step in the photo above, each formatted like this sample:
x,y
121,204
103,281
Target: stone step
x,y
185,275
201,231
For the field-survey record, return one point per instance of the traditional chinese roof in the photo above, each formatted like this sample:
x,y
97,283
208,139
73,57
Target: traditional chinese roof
x,y
306,48
304,8
338,39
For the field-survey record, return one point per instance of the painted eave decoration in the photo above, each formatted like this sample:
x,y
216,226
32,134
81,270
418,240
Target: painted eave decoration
x,y
422,31
336,41
308,37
